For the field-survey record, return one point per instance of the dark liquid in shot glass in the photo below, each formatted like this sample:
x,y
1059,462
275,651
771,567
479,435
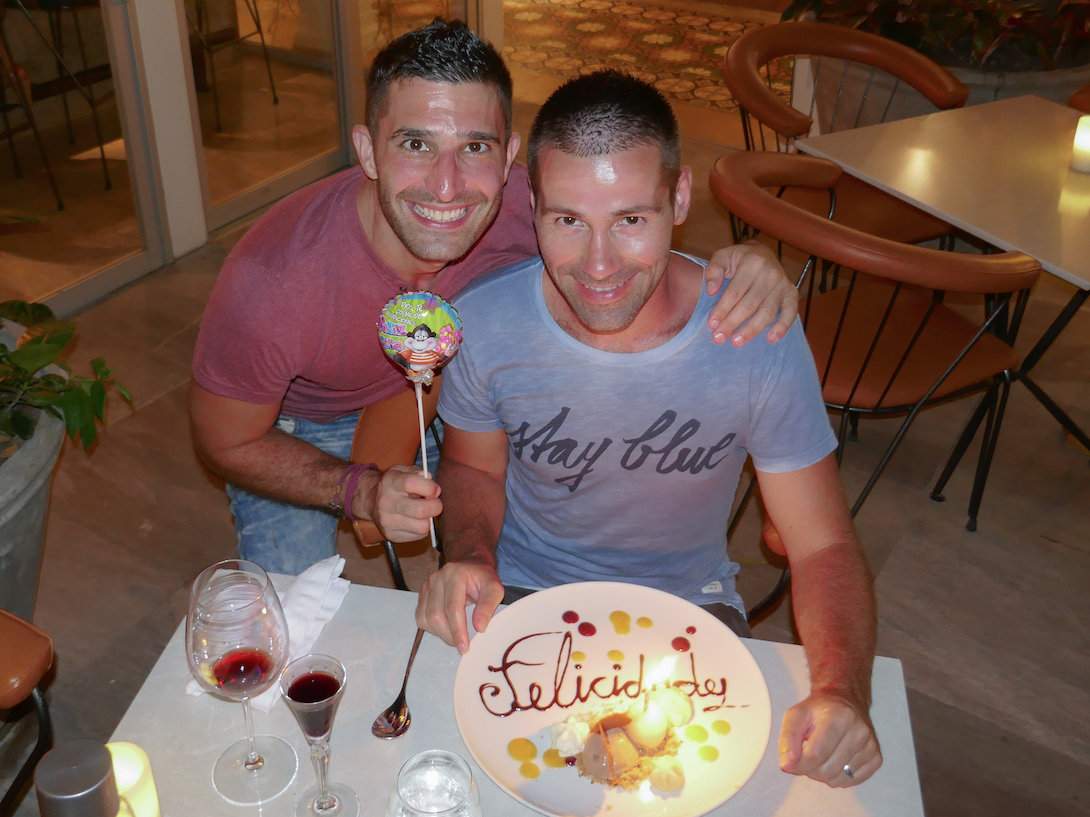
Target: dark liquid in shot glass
x,y
313,688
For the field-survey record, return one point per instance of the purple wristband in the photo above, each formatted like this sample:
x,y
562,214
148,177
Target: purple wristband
x,y
351,481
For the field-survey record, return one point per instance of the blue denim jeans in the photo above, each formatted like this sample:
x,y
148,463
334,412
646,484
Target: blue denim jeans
x,y
285,538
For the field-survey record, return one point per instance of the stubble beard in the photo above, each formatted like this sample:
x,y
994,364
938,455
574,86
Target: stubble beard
x,y
428,245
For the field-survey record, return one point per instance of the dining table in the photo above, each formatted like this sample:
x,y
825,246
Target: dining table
x,y
1001,172
372,632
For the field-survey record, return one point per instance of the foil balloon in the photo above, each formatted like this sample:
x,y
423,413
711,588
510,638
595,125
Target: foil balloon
x,y
420,332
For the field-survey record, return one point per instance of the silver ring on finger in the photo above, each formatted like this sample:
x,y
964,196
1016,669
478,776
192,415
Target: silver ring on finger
x,y
849,772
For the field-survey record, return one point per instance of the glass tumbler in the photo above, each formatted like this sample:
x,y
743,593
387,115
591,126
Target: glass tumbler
x,y
434,784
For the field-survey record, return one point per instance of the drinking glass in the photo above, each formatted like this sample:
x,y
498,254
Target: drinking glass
x,y
434,784
236,642
312,687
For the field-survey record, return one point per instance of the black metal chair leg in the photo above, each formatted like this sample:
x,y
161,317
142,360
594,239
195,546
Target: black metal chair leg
x,y
25,103
18,785
766,605
853,427
54,19
255,15
962,445
987,452
16,169
395,566
91,101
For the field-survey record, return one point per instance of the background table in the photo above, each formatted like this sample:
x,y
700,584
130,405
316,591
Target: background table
x,y
371,634
1001,172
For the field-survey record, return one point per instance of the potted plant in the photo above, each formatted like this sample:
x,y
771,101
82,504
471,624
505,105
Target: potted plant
x,y
40,399
999,48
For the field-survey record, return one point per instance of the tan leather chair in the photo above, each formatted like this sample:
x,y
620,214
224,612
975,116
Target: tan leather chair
x,y
26,655
745,69
389,434
884,343
1081,99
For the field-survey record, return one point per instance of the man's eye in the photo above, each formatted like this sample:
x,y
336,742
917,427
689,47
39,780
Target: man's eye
x,y
415,145
567,221
632,221
476,147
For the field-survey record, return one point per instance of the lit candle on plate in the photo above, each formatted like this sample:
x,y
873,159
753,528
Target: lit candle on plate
x,y
135,784
1080,152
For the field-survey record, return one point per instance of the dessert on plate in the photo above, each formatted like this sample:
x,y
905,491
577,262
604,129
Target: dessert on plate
x,y
624,744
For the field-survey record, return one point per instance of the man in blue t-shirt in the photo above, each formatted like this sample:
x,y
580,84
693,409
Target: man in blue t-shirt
x,y
594,432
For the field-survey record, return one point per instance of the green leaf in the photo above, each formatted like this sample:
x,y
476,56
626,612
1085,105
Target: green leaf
x,y
27,314
99,367
34,356
98,399
71,405
22,424
123,392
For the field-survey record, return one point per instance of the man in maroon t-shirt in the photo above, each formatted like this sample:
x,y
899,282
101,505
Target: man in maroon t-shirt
x,y
288,356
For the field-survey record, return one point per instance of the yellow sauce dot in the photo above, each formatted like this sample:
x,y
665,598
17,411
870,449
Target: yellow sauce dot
x,y
578,656
553,759
644,621
529,770
622,622
708,753
522,749
696,733
615,655
722,727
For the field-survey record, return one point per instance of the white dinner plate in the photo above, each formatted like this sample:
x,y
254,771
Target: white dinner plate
x,y
536,651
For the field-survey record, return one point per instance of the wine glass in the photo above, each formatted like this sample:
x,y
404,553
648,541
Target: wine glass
x,y
236,642
434,784
312,687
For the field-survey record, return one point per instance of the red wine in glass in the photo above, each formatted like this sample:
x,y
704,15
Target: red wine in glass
x,y
242,673
315,688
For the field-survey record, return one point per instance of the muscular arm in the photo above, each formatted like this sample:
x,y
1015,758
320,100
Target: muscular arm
x,y
834,607
241,443
471,474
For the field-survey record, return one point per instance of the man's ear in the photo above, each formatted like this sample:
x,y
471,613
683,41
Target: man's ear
x,y
513,145
365,150
683,193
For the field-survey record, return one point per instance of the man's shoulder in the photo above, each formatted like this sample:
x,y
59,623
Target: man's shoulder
x,y
513,282
295,223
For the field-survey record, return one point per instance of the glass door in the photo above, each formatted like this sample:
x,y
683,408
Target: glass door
x,y
78,215
271,83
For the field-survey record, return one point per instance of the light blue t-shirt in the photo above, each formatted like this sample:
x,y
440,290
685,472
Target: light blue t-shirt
x,y
623,467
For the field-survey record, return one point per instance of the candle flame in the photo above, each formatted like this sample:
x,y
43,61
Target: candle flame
x,y
662,670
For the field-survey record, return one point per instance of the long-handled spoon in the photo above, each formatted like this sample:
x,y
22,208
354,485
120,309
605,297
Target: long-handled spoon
x,y
395,719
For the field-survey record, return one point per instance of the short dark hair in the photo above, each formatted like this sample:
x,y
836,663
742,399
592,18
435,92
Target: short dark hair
x,y
441,51
606,112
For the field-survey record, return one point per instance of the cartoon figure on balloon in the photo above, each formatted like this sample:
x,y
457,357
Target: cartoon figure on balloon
x,y
421,350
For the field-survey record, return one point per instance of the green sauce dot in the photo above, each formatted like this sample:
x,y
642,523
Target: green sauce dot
x,y
708,753
696,733
722,727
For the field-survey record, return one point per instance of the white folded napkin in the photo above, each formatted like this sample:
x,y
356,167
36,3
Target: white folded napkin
x,y
309,603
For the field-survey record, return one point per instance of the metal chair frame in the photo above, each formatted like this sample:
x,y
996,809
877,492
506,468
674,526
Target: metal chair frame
x,y
200,30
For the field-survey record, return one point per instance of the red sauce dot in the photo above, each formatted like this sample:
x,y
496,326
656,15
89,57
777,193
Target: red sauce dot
x,y
681,644
569,761
570,617
616,666
579,666
690,630
587,629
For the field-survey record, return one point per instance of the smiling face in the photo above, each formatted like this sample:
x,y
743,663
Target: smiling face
x,y
439,157
604,225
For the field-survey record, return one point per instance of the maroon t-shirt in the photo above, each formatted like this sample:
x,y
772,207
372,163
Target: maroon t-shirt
x,y
293,313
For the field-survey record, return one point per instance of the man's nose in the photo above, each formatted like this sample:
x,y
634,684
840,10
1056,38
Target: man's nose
x,y
445,180
602,260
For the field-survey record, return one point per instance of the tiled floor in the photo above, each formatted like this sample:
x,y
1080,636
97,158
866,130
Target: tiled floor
x,y
993,627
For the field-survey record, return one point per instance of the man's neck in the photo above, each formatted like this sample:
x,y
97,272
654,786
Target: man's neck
x,y
664,315
415,272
